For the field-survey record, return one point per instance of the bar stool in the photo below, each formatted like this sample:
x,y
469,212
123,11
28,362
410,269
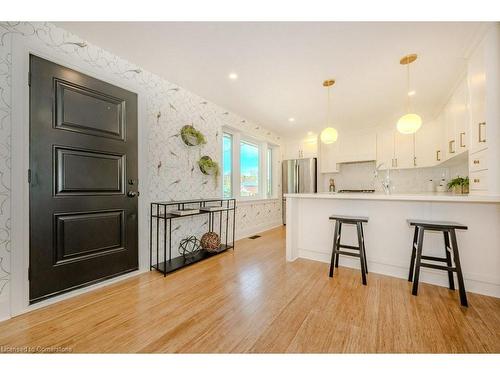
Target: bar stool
x,y
336,252
448,229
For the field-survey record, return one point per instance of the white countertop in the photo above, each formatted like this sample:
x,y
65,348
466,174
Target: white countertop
x,y
426,197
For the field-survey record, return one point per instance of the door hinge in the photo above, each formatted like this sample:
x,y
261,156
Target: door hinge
x,y
29,79
29,176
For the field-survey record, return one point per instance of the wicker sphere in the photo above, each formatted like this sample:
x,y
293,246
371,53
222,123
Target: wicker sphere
x,y
189,246
210,241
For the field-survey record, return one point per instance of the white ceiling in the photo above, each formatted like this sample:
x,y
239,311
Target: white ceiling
x,y
281,66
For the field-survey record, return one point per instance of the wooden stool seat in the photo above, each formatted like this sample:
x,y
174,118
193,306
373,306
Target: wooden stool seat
x,y
451,247
429,224
350,219
336,252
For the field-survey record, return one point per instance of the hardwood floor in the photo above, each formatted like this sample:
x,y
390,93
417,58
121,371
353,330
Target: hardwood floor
x,y
251,300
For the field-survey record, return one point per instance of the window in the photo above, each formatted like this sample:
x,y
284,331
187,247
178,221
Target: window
x,y
249,169
269,161
227,165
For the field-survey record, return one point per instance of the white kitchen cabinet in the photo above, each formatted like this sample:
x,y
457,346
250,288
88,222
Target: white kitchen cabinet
x,y
428,144
461,117
394,150
477,89
404,151
301,148
456,118
449,125
328,157
484,92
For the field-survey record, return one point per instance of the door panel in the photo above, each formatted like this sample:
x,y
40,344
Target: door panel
x,y
83,150
72,102
88,172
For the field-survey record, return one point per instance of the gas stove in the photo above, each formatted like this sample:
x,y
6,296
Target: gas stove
x,y
356,191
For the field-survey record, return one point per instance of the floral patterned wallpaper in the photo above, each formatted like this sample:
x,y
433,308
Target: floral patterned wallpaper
x,y
172,170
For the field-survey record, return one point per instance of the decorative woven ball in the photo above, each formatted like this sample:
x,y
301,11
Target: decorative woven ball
x,y
210,241
189,247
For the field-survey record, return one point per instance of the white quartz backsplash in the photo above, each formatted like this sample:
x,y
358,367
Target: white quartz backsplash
x,y
361,176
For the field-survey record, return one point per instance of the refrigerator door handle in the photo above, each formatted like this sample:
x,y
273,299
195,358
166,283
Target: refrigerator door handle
x,y
297,176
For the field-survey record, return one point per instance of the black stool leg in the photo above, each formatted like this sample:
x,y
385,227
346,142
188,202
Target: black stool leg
x,y
334,247
364,248
448,259
361,253
413,253
456,258
420,242
337,255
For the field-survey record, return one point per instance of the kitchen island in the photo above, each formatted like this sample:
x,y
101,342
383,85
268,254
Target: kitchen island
x,y
388,237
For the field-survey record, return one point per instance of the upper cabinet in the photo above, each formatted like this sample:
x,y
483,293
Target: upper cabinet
x,y
484,88
302,148
456,119
477,88
429,140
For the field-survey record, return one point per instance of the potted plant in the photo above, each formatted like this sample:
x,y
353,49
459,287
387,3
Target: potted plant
x,y
209,167
191,136
459,185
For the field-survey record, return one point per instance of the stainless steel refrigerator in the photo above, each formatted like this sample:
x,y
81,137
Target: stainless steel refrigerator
x,y
298,176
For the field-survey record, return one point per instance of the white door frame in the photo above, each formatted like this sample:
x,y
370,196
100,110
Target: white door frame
x,y
19,284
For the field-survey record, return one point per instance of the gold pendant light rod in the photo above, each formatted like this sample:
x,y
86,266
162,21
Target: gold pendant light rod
x,y
410,122
328,135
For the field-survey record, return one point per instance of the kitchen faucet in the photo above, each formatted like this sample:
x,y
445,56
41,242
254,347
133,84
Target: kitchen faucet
x,y
386,182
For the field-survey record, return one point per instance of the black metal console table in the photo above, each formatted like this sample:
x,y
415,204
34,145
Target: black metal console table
x,y
161,217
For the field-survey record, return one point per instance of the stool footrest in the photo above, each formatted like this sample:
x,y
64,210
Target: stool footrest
x,y
437,259
346,253
438,267
349,247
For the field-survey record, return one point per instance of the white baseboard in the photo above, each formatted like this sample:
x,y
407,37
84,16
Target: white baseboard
x,y
250,231
473,283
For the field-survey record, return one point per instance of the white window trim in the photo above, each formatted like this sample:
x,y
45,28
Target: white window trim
x,y
237,137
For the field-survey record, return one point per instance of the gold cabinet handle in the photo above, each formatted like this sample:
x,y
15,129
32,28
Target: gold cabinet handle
x,y
476,161
462,144
481,138
414,161
451,148
476,180
438,157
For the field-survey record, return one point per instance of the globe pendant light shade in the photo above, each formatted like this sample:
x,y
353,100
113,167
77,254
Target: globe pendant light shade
x,y
409,123
329,135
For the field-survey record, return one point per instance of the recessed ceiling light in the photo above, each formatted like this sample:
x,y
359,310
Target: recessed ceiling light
x,y
291,119
233,76
411,93
310,133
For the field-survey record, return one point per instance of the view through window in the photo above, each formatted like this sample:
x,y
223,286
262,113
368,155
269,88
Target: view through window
x,y
249,169
227,165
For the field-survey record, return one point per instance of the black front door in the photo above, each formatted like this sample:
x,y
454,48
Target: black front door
x,y
83,179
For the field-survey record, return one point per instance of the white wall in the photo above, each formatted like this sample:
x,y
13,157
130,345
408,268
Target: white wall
x,y
172,173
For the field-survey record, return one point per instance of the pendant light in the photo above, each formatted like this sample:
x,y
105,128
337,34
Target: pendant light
x,y
328,135
410,122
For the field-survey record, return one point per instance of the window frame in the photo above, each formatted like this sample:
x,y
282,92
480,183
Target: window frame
x,y
263,146
231,137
